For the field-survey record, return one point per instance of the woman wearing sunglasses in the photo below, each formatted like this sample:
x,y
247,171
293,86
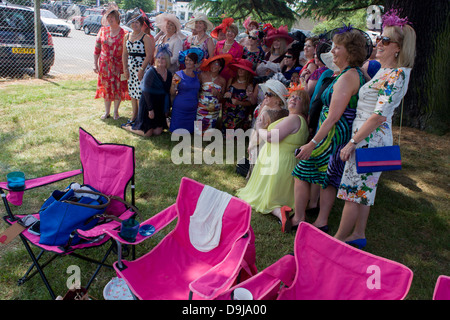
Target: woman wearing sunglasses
x,y
372,127
252,50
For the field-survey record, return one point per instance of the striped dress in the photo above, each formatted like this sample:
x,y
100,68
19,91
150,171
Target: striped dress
x,y
325,167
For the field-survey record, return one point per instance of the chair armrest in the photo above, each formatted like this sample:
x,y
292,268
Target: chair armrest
x,y
216,279
159,221
15,197
101,229
266,284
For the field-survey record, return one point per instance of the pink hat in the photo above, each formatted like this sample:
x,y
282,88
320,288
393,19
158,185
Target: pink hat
x,y
281,32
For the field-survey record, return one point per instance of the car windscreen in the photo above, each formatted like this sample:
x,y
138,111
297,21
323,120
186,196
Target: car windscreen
x,y
16,20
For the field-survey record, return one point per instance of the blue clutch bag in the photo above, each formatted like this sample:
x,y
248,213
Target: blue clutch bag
x,y
378,159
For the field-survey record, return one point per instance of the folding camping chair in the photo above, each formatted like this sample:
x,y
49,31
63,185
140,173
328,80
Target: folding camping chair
x,y
324,268
210,249
108,168
442,288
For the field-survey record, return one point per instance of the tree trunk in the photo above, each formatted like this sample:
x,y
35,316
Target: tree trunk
x,y
425,105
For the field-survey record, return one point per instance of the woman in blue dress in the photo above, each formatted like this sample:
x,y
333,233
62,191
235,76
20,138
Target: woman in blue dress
x,y
185,87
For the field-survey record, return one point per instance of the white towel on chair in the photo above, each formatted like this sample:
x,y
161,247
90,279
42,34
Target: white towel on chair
x,y
205,226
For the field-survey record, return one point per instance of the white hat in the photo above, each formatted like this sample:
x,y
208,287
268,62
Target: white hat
x,y
199,17
277,87
327,58
161,22
267,65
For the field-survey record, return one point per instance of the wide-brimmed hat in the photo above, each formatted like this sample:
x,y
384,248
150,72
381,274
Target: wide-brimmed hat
x,y
240,63
281,32
162,19
199,17
267,65
197,51
225,56
112,6
327,59
223,27
277,87
136,14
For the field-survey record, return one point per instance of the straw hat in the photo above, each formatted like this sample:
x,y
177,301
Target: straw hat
x,y
200,17
277,87
225,56
162,19
281,32
240,63
327,59
112,6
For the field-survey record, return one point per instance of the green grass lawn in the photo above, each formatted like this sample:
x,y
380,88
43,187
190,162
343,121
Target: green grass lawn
x,y
39,136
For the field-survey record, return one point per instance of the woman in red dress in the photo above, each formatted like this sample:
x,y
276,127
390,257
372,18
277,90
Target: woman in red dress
x,y
108,62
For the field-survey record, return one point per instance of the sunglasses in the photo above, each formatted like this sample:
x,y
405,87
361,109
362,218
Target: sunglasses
x,y
253,38
269,94
385,40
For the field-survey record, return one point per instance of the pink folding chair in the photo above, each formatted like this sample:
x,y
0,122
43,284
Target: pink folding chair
x,y
195,260
442,288
108,168
324,268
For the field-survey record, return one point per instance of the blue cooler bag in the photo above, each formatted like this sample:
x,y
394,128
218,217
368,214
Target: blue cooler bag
x,y
378,159
68,210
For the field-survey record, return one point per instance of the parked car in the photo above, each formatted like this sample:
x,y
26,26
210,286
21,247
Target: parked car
x,y
17,47
54,24
78,21
92,24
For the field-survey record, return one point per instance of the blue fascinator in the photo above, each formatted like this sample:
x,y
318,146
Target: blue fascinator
x,y
163,49
197,51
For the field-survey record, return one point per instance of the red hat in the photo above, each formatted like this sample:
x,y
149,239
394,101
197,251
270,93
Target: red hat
x,y
225,56
281,32
240,63
223,26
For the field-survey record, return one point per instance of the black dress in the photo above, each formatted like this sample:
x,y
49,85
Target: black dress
x,y
155,96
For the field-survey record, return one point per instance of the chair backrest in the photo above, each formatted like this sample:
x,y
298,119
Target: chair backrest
x,y
235,221
107,167
442,288
331,269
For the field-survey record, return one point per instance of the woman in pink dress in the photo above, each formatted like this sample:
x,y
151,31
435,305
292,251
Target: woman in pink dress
x,y
230,46
108,63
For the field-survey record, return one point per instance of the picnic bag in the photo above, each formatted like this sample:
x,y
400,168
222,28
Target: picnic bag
x,y
65,211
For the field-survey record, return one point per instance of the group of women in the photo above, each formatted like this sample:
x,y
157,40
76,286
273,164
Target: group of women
x,y
306,127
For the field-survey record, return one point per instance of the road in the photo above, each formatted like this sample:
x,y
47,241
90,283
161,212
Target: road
x,y
74,54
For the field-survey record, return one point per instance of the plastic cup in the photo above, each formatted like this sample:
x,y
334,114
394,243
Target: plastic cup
x,y
146,230
242,294
16,180
129,230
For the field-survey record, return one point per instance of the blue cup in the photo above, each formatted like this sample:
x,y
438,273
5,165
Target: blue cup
x,y
129,230
16,180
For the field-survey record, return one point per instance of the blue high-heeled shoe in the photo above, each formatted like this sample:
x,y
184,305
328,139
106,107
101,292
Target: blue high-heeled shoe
x,y
359,243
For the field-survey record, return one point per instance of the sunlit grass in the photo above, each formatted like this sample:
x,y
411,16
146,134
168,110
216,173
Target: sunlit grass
x,y
39,135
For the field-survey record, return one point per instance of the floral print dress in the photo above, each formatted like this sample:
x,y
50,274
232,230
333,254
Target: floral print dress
x,y
381,96
110,86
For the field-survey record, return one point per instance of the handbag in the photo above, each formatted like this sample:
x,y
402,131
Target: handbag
x,y
381,158
65,211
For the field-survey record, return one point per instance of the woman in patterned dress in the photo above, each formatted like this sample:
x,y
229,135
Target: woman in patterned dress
x,y
108,62
200,25
373,124
212,89
320,163
137,55
252,50
238,105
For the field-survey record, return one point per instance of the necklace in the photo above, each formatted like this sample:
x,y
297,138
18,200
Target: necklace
x,y
241,81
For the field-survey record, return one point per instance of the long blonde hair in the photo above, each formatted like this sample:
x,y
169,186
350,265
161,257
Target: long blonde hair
x,y
406,39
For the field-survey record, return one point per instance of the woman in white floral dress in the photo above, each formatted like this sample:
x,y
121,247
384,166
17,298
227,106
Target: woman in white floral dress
x,y
372,126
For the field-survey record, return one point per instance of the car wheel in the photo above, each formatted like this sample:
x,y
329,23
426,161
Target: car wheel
x,y
45,69
66,33
86,30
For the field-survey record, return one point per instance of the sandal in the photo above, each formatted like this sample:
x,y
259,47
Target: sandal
x,y
105,116
286,224
116,117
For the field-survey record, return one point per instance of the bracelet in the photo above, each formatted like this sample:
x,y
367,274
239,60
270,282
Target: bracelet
x,y
315,142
